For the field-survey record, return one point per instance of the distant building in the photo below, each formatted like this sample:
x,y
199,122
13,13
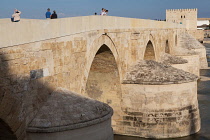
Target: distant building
x,y
203,23
187,17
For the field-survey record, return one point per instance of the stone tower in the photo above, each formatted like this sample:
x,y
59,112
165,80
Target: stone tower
x,y
186,17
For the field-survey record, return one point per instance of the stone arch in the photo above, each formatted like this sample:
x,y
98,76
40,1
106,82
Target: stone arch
x,y
6,132
167,48
103,82
96,45
149,53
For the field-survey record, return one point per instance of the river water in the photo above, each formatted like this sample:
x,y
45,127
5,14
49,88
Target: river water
x,y
204,106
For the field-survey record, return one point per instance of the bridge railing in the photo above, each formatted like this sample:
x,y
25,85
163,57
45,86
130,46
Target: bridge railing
x,y
31,30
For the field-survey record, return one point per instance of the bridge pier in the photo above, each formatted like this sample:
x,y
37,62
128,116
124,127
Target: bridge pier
x,y
154,107
192,66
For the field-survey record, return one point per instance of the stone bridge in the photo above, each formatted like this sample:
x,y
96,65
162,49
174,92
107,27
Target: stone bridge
x,y
92,56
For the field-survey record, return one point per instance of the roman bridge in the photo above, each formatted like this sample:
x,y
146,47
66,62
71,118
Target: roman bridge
x,y
91,56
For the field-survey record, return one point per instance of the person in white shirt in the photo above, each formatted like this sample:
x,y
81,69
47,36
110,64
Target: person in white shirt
x,y
16,16
103,12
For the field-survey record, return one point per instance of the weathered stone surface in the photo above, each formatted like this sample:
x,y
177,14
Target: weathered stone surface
x,y
188,45
66,110
193,65
152,110
189,42
170,59
65,50
155,73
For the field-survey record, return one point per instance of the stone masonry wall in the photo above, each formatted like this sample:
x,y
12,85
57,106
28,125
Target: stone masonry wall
x,y
159,111
31,72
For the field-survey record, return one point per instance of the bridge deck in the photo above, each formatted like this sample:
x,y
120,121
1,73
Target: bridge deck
x,y
31,30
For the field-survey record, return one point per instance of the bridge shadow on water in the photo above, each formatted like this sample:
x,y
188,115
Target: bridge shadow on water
x,y
192,137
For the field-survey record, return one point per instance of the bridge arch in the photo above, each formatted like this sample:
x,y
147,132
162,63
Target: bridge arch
x,y
96,45
149,52
6,132
103,81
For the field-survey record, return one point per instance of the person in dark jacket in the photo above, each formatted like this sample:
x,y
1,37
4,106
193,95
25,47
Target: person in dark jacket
x,y
54,15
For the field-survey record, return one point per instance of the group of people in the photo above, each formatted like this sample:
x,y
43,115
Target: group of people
x,y
16,16
104,12
49,15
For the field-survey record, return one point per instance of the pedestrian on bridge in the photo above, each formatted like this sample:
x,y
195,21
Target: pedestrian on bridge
x,y
48,14
16,16
103,11
54,15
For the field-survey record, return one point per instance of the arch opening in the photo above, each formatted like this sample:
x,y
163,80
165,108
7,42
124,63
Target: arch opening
x,y
5,132
103,83
149,52
167,49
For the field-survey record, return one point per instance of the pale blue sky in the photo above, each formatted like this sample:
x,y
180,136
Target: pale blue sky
x,y
146,9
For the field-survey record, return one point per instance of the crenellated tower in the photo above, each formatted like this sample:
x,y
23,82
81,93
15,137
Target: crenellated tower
x,y
186,17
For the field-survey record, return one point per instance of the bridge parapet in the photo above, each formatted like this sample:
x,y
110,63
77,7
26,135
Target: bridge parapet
x,y
29,30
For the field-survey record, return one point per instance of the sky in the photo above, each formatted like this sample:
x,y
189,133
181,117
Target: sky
x,y
144,9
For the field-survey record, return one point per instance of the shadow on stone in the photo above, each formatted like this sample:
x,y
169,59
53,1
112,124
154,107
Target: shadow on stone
x,y
24,98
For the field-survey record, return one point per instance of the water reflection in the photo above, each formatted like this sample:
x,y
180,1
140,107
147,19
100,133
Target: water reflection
x,y
204,106
192,137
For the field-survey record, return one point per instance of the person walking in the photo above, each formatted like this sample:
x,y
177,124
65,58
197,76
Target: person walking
x,y
48,14
16,16
54,15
